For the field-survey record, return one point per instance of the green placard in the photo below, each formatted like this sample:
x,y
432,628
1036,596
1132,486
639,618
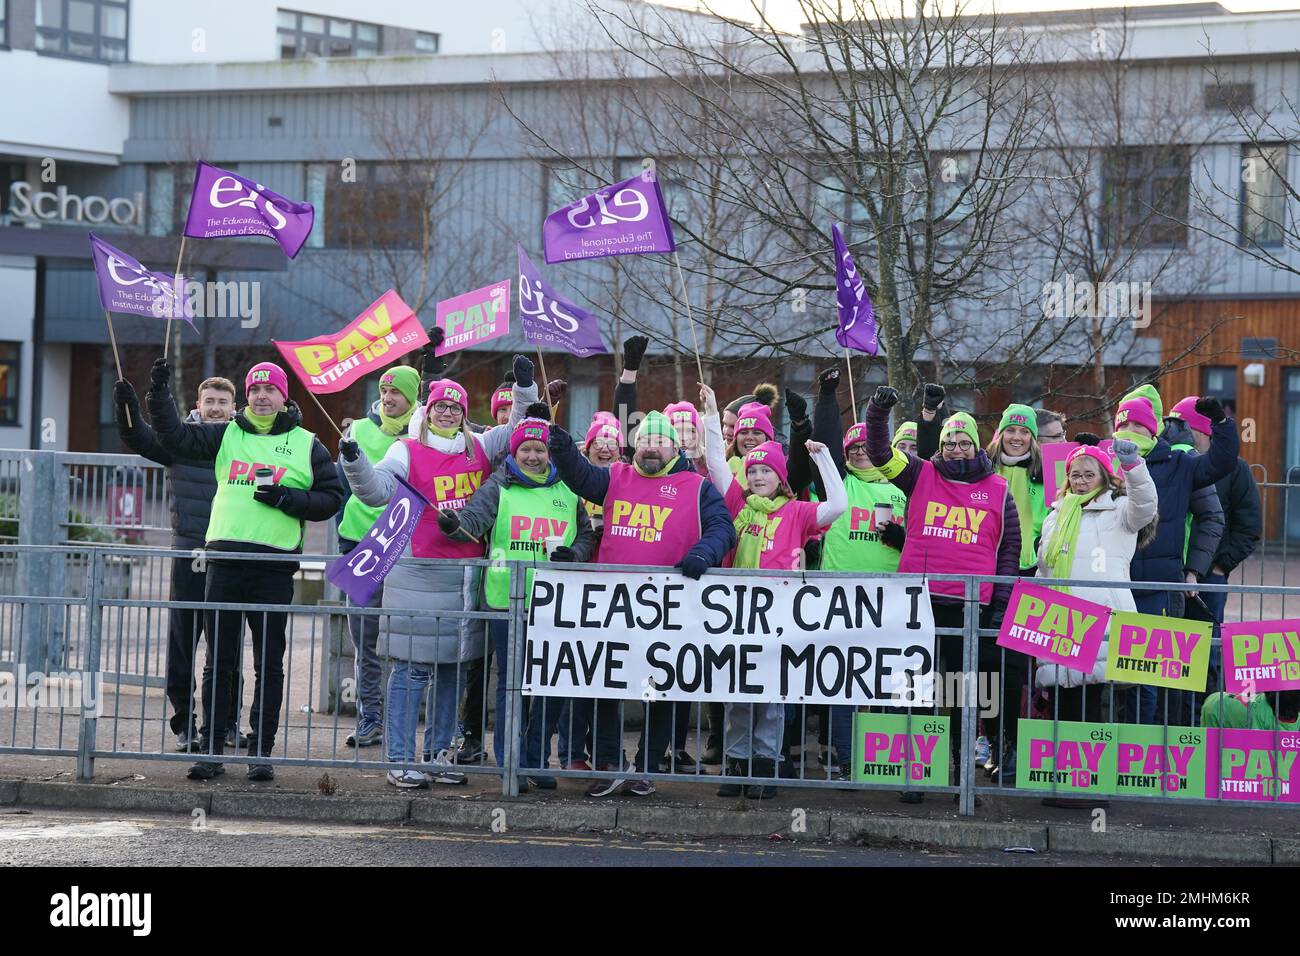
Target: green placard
x,y
1153,763
1163,651
1071,757
908,749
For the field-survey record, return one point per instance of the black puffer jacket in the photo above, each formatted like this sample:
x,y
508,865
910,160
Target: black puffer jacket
x,y
191,484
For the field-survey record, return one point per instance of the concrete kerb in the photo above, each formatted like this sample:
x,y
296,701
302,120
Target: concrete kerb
x,y
647,819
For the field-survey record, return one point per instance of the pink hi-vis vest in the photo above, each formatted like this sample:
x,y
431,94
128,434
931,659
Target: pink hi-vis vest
x,y
447,481
788,529
650,520
953,527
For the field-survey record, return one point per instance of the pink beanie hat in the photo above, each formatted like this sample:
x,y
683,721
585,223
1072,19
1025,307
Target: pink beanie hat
x,y
1186,410
679,411
445,390
503,397
855,435
1093,452
603,428
1138,411
271,374
757,416
769,453
530,429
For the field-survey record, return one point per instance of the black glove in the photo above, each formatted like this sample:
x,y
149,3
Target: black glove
x,y
560,442
124,394
795,404
436,338
349,449
1087,438
556,389
433,364
563,553
1211,408
886,396
828,382
692,566
893,535
449,522
160,375
523,371
538,410
633,351
934,396
273,495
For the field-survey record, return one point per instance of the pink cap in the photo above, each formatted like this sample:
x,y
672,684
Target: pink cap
x,y
769,453
445,390
1186,410
679,412
855,435
503,397
757,416
1137,411
602,428
1093,452
270,374
530,429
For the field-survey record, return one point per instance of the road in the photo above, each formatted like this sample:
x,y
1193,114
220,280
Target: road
x,y
68,838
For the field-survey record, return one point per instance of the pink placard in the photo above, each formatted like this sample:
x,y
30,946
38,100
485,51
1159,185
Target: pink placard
x,y
1261,656
474,317
1054,627
1255,765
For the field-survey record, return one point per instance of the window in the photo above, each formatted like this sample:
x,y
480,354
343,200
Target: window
x,y
427,42
1144,196
1291,443
386,208
1220,381
83,29
11,357
1229,97
1263,193
4,22
305,35
1027,389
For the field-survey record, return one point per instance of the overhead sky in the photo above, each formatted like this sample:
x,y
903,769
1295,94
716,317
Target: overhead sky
x,y
786,13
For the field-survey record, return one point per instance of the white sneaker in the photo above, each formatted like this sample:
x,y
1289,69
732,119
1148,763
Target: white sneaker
x,y
444,759
408,779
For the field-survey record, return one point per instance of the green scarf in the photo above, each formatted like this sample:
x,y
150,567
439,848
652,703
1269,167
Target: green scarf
x,y
870,475
756,511
1144,442
445,432
1065,535
262,423
656,474
395,426
1018,483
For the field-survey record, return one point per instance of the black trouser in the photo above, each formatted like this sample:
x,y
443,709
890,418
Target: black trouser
x,y
716,713
656,732
990,660
1070,703
183,629
471,705
246,583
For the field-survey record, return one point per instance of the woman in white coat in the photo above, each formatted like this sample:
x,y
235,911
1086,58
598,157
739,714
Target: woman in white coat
x,y
1098,520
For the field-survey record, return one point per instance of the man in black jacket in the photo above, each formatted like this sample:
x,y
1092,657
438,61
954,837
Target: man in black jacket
x,y
190,486
272,476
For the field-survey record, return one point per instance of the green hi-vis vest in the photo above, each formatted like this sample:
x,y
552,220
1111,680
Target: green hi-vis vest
x,y
853,543
235,515
359,517
526,517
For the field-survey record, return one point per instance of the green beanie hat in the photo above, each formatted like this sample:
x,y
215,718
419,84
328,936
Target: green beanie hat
x,y
960,424
1149,393
1021,415
657,423
405,379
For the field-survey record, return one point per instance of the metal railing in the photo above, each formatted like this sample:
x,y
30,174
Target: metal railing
x,y
123,642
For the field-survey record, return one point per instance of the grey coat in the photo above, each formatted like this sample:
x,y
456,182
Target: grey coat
x,y
434,588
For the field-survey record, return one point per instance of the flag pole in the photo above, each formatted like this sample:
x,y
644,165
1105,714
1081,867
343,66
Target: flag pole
x,y
545,386
112,339
325,413
690,318
167,338
852,397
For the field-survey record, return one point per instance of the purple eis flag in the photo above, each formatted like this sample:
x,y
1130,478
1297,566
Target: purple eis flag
x,y
226,204
126,286
360,573
627,218
857,318
549,320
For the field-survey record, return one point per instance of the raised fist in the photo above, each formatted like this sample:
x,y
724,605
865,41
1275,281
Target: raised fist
x,y
886,396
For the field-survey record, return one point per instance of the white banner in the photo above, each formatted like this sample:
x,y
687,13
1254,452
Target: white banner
x,y
666,637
